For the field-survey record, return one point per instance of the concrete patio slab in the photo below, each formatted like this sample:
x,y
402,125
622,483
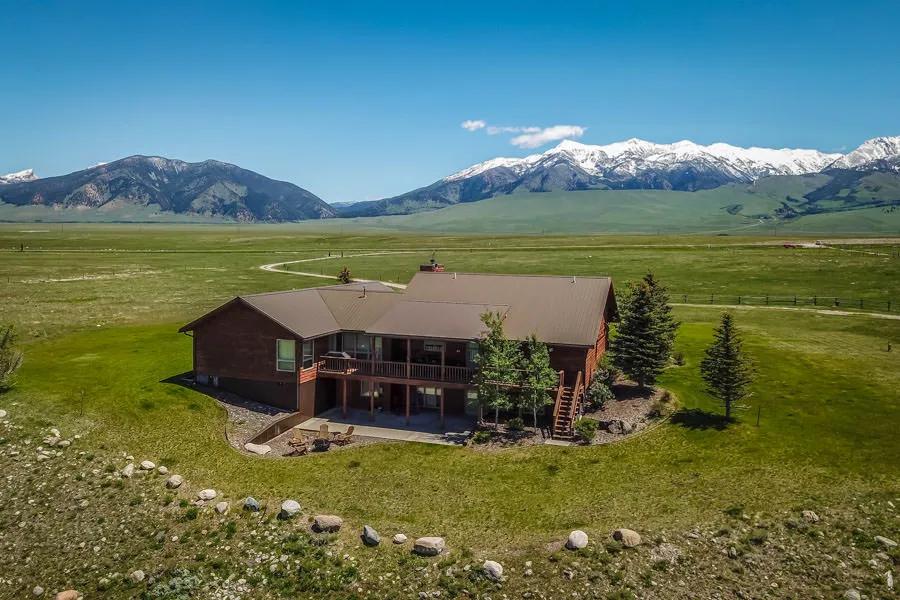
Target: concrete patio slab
x,y
423,427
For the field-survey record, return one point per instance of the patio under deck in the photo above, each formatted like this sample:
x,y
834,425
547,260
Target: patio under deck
x,y
423,427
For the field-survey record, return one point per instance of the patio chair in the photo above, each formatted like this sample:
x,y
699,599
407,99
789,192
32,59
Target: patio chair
x,y
344,438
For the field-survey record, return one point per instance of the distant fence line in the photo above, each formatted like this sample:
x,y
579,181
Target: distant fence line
x,y
781,300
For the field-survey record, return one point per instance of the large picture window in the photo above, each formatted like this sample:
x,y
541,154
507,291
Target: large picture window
x,y
285,355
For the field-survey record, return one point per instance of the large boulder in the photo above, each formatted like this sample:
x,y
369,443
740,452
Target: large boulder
x,y
289,508
128,471
370,537
206,495
327,523
627,537
493,570
429,546
222,507
577,540
399,538
810,516
136,576
3,413
148,465
174,482
886,542
251,504
261,449
67,595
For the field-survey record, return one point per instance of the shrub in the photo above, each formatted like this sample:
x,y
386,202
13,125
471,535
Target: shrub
x,y
678,357
606,371
344,275
599,393
10,357
515,424
585,429
481,437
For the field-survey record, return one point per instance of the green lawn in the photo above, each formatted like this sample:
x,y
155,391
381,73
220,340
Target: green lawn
x,y
99,350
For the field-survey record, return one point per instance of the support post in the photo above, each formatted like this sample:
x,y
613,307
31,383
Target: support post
x,y
372,400
344,397
443,354
442,407
407,404
408,374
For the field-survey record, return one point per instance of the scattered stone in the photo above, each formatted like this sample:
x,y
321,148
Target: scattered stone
x,y
327,523
222,507
886,542
206,495
251,504
38,590
67,595
289,508
889,579
64,443
162,470
810,516
429,546
852,594
370,537
493,570
3,414
732,552
128,471
627,537
136,576
399,538
148,465
55,432
174,482
665,553
577,540
261,449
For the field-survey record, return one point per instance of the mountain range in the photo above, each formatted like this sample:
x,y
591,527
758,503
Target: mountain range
x,y
867,177
206,189
629,165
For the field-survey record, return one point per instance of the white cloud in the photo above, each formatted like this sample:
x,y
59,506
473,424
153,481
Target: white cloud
x,y
527,136
535,136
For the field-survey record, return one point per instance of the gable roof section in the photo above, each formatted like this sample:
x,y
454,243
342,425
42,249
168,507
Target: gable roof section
x,y
558,310
459,321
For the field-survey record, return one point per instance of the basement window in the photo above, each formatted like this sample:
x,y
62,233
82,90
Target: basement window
x,y
285,355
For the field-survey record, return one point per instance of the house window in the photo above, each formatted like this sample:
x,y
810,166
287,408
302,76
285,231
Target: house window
x,y
307,354
431,397
285,359
471,354
434,346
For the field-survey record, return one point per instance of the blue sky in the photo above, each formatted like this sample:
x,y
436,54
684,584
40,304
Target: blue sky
x,y
358,101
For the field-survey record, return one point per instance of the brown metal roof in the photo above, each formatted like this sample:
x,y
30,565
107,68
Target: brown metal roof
x,y
448,320
559,310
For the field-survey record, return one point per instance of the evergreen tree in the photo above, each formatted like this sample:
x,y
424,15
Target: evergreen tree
x,y
497,360
665,322
645,334
536,377
725,368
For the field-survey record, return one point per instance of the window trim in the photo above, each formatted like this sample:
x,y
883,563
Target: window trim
x,y
279,360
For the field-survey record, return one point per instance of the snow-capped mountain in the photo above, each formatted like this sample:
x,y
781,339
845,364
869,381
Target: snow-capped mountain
x,y
18,177
624,160
631,164
870,153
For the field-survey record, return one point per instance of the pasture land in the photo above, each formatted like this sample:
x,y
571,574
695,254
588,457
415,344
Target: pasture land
x,y
98,309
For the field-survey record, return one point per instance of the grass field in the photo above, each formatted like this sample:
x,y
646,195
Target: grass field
x,y
99,308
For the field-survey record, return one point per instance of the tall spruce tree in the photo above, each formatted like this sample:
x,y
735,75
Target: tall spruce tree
x,y
536,377
498,360
665,322
725,368
646,332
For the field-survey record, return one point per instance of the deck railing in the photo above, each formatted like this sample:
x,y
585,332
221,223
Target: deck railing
x,y
385,368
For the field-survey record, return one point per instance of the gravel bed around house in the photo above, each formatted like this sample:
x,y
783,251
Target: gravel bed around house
x,y
245,417
631,411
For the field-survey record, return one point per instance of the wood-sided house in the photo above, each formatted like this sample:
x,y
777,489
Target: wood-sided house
x,y
366,346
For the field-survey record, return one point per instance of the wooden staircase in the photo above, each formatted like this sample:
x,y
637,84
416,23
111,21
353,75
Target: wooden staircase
x,y
568,399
